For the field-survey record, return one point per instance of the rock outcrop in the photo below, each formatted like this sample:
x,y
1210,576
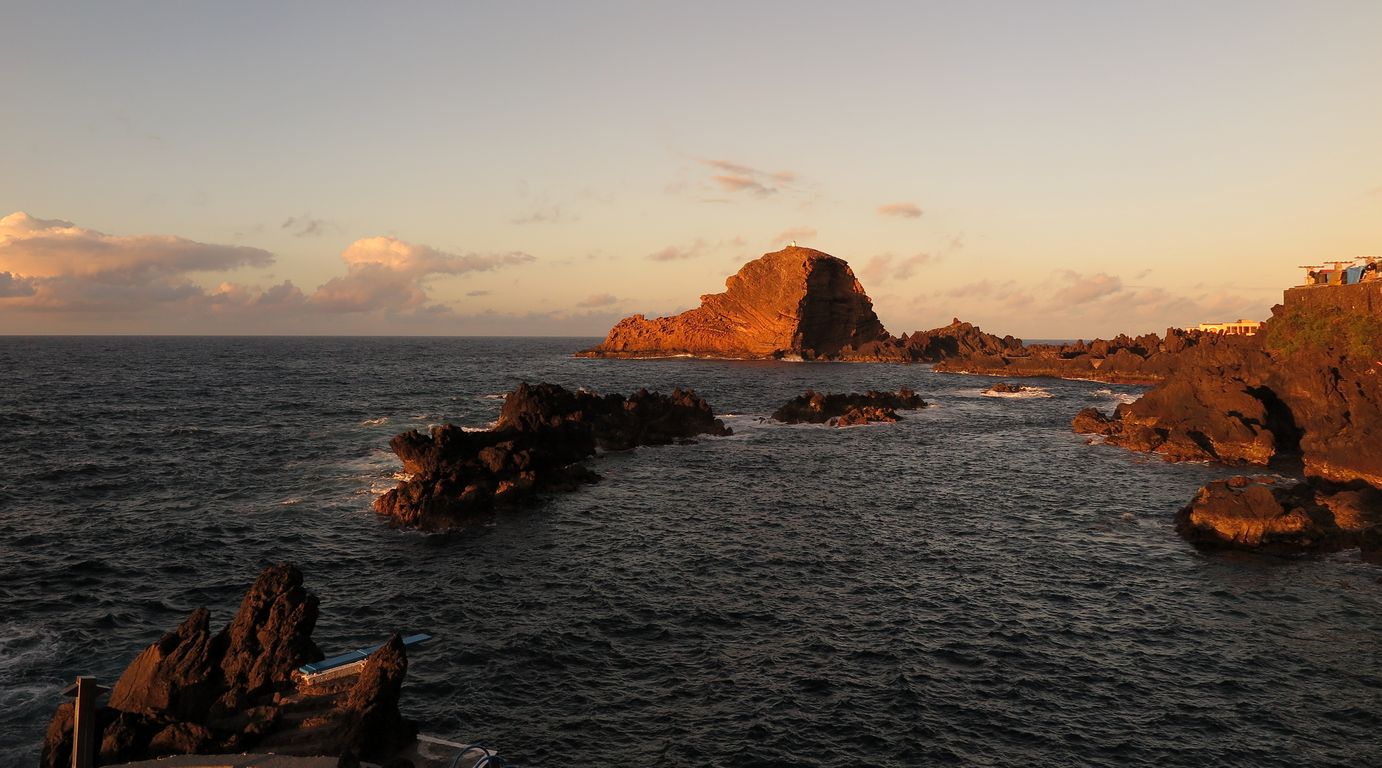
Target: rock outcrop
x,y
797,302
1260,515
197,693
543,434
839,410
1123,359
958,341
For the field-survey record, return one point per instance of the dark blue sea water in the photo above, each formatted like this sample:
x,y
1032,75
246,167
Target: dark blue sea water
x,y
972,586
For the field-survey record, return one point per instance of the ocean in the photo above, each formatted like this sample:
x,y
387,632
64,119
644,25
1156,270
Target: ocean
x,y
974,585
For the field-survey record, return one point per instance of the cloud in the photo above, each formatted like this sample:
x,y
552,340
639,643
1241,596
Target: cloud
x,y
887,266
598,300
1081,289
304,226
678,253
13,285
52,266
41,248
481,292
739,178
389,274
791,234
548,214
900,210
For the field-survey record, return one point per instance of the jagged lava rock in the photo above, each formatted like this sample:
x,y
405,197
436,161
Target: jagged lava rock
x,y
543,434
194,692
373,726
178,676
271,634
841,410
797,301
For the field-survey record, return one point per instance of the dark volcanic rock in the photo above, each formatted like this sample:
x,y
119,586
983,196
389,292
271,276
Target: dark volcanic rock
x,y
1258,515
271,634
1123,359
797,301
959,340
847,410
373,727
1306,386
543,434
192,692
177,676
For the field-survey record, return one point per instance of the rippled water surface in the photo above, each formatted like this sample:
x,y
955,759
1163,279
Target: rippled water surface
x,y
974,585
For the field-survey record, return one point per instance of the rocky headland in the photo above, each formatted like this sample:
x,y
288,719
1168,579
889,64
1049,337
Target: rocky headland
x,y
543,435
839,410
800,303
1306,388
198,692
796,302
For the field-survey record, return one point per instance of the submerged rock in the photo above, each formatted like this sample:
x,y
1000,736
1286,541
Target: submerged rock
x,y
794,302
853,409
543,434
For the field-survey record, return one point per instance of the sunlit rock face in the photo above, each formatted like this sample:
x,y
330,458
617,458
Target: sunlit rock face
x,y
794,302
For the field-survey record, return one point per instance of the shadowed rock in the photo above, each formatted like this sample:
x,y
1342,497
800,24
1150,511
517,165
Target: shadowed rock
x,y
853,409
543,434
192,692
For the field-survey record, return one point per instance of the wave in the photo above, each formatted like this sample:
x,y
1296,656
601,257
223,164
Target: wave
x,y
1122,397
1027,393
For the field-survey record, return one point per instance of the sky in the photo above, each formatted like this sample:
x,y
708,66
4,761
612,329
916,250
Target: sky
x,y
1046,169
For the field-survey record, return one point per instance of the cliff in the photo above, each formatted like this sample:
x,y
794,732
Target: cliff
x,y
794,302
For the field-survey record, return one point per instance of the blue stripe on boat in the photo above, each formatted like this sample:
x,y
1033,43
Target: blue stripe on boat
x,y
350,657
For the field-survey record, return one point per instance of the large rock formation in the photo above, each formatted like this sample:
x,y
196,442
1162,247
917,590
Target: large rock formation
x,y
543,434
794,302
192,692
850,410
1307,386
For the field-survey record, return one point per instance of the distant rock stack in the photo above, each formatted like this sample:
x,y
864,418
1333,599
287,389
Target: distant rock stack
x,y
794,302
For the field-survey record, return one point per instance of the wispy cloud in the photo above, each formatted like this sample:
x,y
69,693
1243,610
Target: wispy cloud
x,y
598,300
889,267
677,252
737,178
900,210
546,214
1082,289
304,226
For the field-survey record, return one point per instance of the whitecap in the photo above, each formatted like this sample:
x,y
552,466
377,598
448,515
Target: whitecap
x,y
1027,393
375,422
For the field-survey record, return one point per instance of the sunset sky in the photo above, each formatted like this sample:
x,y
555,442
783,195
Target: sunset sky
x,y
1046,169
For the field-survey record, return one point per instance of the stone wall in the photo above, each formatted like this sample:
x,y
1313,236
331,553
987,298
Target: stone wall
x,y
1363,298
